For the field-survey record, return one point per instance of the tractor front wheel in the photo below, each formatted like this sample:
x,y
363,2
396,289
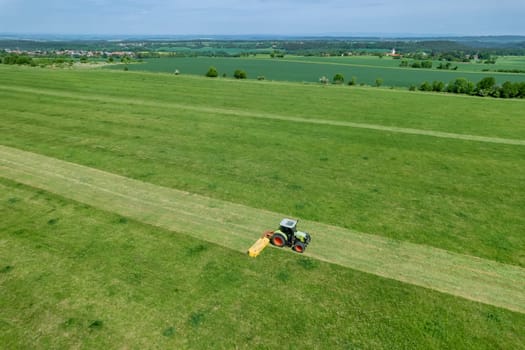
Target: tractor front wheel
x,y
299,247
278,240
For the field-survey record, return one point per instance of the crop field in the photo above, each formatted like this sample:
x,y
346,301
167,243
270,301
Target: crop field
x,y
128,200
309,69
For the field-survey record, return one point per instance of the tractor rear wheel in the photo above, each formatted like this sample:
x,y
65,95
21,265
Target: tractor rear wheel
x,y
278,240
299,247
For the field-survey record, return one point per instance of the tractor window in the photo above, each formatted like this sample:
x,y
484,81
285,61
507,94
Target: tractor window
x,y
286,230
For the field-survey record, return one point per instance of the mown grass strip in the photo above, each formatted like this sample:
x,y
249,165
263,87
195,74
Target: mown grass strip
x,y
270,116
236,227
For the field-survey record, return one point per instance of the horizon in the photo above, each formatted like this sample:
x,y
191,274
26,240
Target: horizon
x,y
247,37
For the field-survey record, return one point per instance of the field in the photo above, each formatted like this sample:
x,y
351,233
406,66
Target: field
x,y
366,69
130,199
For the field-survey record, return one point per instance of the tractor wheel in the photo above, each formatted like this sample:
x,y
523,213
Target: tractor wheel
x,y
278,240
299,247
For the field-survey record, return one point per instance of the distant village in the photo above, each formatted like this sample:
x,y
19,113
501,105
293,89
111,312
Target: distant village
x,y
72,53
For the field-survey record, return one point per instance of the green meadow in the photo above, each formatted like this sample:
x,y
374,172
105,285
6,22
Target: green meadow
x,y
365,69
438,171
73,276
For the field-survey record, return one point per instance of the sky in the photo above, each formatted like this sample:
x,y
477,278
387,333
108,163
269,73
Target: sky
x,y
268,17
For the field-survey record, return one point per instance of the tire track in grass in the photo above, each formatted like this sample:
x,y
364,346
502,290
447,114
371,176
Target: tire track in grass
x,y
269,116
236,227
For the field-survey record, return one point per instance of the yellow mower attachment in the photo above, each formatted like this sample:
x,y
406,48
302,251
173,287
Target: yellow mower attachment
x,y
260,244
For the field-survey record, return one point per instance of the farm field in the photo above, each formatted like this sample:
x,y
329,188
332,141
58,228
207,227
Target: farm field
x,y
230,153
74,276
224,223
309,69
504,62
361,161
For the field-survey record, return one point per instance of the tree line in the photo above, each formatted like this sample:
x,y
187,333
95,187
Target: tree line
x,y
25,60
16,59
485,87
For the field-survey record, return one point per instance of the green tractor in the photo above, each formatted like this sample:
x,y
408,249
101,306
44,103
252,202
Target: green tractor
x,y
287,235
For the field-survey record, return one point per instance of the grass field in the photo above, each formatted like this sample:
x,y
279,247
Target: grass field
x,y
403,172
225,224
76,277
453,194
309,69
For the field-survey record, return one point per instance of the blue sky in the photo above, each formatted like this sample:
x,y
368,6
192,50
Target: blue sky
x,y
284,17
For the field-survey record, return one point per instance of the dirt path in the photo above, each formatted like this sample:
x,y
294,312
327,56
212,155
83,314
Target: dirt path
x,y
260,115
236,227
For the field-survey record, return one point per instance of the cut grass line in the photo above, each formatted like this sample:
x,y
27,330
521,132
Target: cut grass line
x,y
269,116
236,227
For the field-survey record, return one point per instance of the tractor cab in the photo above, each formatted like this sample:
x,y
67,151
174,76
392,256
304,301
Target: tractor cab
x,y
288,227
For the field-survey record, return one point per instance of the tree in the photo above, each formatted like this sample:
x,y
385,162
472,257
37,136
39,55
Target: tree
x,y
11,59
438,86
509,90
24,60
416,64
212,72
353,81
379,82
486,86
240,74
461,86
446,66
521,90
338,79
426,86
426,64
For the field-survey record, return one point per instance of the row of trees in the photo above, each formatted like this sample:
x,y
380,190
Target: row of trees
x,y
214,73
13,59
447,66
24,59
16,59
427,64
340,79
485,87
416,64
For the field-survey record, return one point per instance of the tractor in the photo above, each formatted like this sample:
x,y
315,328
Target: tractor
x,y
287,235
